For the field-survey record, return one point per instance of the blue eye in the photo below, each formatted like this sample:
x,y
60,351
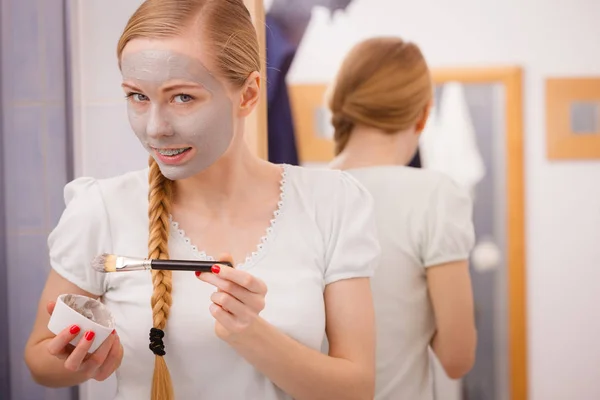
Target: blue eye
x,y
137,97
183,98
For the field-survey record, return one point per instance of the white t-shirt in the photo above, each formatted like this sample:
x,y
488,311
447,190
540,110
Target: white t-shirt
x,y
323,231
423,219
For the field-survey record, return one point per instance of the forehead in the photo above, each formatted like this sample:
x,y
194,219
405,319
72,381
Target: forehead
x,y
165,60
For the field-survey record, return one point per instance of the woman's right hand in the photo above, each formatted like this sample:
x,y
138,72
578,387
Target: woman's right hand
x,y
98,365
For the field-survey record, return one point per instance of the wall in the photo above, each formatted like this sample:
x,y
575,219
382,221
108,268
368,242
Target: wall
x,y
35,167
563,212
104,143
562,199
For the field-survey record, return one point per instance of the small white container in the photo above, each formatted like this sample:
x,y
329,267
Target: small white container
x,y
87,313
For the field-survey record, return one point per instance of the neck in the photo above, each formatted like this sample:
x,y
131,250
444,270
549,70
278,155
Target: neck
x,y
369,147
225,183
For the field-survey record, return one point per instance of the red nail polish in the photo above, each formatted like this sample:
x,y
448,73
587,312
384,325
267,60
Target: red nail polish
x,y
215,269
113,332
89,336
198,273
74,330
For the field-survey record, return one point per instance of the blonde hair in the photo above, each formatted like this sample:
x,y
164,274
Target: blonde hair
x,y
383,83
227,27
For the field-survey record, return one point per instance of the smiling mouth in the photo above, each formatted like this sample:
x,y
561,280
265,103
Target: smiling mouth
x,y
172,152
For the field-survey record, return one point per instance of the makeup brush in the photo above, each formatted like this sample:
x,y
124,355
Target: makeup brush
x,y
113,263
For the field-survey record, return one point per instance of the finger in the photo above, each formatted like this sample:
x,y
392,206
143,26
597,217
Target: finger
x,y
223,317
223,257
224,285
73,362
66,352
50,307
240,293
57,345
229,304
113,361
96,359
241,278
226,257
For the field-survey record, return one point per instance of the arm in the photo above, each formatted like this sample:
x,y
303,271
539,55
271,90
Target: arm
x,y
348,372
43,350
82,233
455,339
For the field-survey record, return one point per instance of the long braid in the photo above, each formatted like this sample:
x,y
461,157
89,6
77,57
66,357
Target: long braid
x,y
159,209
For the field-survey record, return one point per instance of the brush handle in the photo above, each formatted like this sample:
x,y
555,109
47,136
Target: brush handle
x,y
186,265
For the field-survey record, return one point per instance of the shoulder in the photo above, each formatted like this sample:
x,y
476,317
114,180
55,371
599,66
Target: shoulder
x,y
89,194
324,193
325,182
121,185
332,198
399,176
420,185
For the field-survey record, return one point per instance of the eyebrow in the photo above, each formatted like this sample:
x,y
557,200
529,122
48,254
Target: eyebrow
x,y
181,86
129,86
168,88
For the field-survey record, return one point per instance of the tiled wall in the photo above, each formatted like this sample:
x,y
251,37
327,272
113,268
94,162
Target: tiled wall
x,y
34,157
104,143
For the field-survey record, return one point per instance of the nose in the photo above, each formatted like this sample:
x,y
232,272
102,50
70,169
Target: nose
x,y
158,124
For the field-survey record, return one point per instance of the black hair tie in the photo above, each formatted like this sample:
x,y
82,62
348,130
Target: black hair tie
x,y
156,341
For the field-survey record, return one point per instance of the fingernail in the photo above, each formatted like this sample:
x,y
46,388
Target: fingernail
x,y
74,330
113,332
215,269
198,273
89,336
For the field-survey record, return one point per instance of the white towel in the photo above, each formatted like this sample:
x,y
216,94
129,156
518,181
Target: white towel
x,y
448,143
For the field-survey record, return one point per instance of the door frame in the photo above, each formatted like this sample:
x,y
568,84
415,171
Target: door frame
x,y
510,78
256,124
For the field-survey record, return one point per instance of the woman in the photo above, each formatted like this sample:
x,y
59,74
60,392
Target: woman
x,y
190,74
421,289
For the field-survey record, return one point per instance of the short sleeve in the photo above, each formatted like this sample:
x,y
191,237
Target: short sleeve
x,y
82,233
353,249
449,231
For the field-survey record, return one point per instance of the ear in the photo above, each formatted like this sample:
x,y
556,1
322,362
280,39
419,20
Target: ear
x,y
250,95
422,121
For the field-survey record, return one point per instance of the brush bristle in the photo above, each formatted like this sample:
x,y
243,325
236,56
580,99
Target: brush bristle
x,y
105,263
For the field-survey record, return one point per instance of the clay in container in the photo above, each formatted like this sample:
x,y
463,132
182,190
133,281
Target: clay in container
x,y
90,308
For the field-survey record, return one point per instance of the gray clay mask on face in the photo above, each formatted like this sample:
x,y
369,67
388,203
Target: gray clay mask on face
x,y
205,126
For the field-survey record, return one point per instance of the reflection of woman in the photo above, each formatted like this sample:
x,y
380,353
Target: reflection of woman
x,y
190,75
422,290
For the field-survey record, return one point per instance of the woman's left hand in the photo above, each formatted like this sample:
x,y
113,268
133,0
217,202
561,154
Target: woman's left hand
x,y
237,302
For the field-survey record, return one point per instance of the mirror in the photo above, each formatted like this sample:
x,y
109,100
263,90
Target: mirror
x,y
484,105
477,119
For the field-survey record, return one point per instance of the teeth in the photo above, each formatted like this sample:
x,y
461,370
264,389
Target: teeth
x,y
171,152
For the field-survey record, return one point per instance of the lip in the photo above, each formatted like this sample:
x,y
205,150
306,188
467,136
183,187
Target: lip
x,y
173,160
